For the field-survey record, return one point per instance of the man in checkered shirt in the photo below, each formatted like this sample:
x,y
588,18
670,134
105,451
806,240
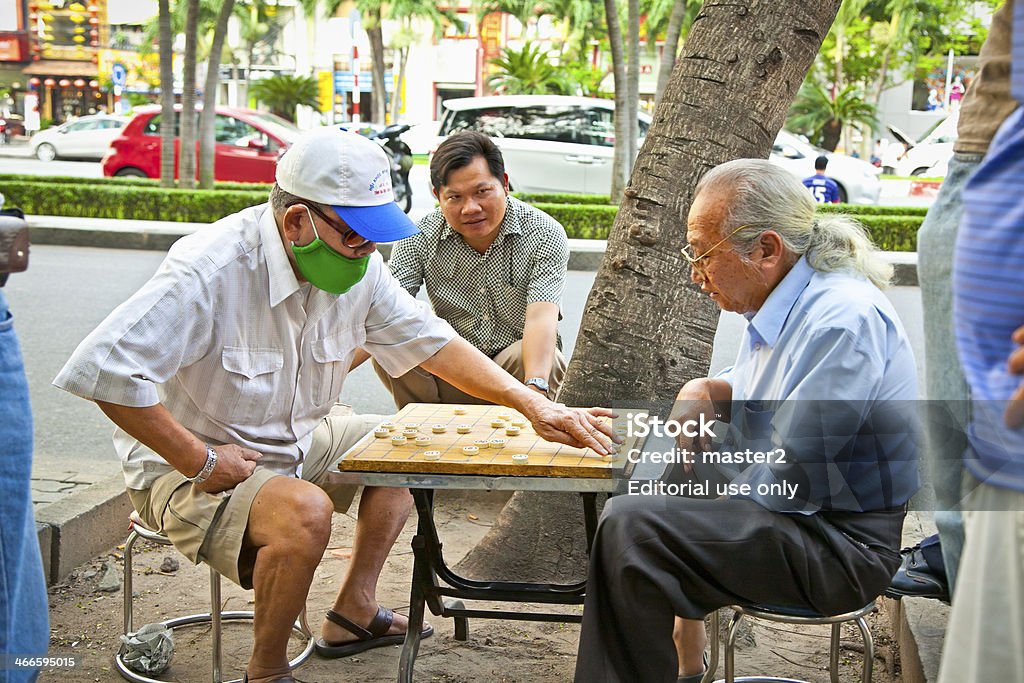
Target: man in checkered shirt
x,y
494,268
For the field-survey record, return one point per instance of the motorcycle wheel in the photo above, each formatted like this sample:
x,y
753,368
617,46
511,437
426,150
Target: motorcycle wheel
x,y
403,194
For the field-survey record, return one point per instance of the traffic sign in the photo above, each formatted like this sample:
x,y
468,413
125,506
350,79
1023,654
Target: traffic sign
x,y
119,74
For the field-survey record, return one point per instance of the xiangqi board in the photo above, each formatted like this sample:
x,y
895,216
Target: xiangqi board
x,y
473,439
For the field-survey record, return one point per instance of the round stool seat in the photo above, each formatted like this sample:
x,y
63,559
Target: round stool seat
x,y
792,615
140,530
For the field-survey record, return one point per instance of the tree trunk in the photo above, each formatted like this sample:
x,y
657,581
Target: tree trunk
x,y
187,151
668,53
611,12
396,97
166,96
379,96
207,140
646,329
633,79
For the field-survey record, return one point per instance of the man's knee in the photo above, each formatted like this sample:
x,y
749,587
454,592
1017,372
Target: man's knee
x,y
292,512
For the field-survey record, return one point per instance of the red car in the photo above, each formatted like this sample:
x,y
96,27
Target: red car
x,y
248,145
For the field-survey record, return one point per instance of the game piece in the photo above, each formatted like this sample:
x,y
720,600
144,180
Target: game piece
x,y
459,411
431,455
463,429
520,458
497,443
398,441
422,440
481,443
390,426
512,431
497,424
410,433
518,422
439,429
505,416
381,432
470,450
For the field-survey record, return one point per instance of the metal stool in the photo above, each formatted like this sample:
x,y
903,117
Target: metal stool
x,y
214,617
791,616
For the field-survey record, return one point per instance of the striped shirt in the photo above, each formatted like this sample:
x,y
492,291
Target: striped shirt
x,y
484,296
238,350
988,289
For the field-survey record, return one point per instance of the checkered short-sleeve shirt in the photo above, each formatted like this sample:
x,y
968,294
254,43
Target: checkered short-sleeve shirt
x,y
484,296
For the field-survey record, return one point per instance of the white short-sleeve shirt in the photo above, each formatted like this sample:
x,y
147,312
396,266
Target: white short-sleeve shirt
x,y
238,350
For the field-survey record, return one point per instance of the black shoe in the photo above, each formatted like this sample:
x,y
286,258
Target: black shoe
x,y
915,579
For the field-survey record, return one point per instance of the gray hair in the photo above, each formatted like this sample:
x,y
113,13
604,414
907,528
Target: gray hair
x,y
281,200
766,197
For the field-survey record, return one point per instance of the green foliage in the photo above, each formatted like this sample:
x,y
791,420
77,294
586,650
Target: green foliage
x,y
561,198
819,116
528,72
892,228
123,201
284,93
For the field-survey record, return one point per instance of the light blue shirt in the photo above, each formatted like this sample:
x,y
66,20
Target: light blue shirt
x,y
825,371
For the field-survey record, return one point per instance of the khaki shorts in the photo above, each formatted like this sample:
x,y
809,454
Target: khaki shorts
x,y
210,527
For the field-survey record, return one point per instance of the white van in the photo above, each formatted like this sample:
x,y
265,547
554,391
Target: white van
x,y
930,155
556,143
551,143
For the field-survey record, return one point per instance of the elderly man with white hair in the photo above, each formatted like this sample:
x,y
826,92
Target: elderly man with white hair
x,y
825,373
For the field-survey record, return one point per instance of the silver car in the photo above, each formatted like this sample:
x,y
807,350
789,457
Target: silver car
x,y
85,138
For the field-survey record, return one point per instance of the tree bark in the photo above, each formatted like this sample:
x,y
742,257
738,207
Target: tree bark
x,y
671,48
187,150
207,141
379,96
166,96
611,11
646,329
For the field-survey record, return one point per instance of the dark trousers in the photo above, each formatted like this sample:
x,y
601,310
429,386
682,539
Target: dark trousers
x,y
661,556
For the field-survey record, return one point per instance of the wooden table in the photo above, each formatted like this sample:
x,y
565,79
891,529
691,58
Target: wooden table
x,y
374,461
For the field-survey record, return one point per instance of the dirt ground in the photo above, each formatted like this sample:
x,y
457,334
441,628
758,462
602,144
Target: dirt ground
x,y
88,623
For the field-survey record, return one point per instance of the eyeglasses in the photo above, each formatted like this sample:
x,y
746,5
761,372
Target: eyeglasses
x,y
349,237
687,251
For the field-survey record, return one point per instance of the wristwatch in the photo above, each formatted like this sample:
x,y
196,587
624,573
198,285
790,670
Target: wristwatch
x,y
538,382
211,462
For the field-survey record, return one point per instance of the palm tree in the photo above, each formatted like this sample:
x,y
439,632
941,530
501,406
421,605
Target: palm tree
x,y
527,71
284,93
166,95
405,11
207,141
187,146
822,117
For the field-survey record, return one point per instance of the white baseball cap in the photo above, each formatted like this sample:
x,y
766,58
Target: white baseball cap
x,y
352,175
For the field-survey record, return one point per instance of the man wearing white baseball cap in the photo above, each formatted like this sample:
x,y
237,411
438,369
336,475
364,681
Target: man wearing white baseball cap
x,y
222,371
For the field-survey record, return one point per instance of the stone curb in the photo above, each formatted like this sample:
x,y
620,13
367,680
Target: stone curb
x,y
160,235
75,529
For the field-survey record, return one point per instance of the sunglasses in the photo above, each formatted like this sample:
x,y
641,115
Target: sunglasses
x,y
695,261
349,237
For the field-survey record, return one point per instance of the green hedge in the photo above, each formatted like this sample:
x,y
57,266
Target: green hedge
x,y
140,199
888,232
862,210
561,198
117,182
127,202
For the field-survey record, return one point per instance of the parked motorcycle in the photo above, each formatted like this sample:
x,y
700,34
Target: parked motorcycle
x,y
400,157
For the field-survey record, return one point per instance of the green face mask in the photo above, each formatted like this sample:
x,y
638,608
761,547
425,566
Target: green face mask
x,y
325,268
